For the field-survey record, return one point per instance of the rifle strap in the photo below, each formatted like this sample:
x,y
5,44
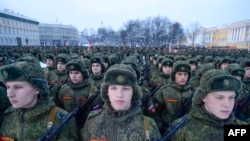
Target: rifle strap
x,y
91,90
146,128
52,116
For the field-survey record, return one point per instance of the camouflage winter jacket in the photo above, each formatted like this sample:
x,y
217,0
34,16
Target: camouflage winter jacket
x,y
202,126
118,126
30,124
170,99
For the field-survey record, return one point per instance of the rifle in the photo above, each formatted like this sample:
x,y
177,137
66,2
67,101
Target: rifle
x,y
51,132
184,108
80,115
173,130
147,96
240,106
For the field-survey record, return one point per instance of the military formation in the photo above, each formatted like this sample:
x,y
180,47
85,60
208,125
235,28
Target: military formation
x,y
122,93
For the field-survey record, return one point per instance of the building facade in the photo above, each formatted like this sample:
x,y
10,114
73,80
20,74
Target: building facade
x,y
17,30
58,35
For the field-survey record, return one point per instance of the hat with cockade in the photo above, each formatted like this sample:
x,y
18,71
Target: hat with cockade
x,y
120,74
215,80
77,65
235,70
180,66
62,57
26,71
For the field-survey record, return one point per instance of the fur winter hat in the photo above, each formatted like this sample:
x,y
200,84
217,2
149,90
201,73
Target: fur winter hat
x,y
50,56
181,66
203,68
235,70
27,71
245,63
120,74
215,80
77,65
166,62
193,61
62,57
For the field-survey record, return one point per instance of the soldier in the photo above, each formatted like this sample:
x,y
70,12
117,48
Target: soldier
x,y
32,112
224,62
163,77
50,61
97,70
194,66
121,118
58,77
212,108
78,90
171,98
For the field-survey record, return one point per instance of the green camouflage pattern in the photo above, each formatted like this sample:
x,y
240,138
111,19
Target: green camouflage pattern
x,y
203,126
169,100
30,124
118,126
72,95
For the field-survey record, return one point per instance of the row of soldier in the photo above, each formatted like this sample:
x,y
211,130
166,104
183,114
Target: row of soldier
x,y
74,79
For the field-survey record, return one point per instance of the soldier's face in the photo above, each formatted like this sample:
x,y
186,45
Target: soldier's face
x,y
120,97
220,103
247,74
21,94
96,68
49,62
61,66
181,78
166,69
75,77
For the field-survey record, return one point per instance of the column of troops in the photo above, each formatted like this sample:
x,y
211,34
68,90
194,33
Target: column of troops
x,y
185,94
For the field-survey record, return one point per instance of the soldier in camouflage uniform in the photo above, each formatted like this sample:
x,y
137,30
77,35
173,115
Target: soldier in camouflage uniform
x,y
27,118
121,118
50,61
97,70
58,77
77,90
170,98
212,108
163,77
242,104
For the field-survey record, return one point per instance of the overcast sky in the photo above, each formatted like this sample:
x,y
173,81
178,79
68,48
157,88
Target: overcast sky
x,y
86,14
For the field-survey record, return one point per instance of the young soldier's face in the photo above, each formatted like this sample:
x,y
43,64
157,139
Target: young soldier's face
x,y
76,77
193,67
22,94
49,62
181,78
247,74
120,97
223,65
166,69
220,103
61,66
96,68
